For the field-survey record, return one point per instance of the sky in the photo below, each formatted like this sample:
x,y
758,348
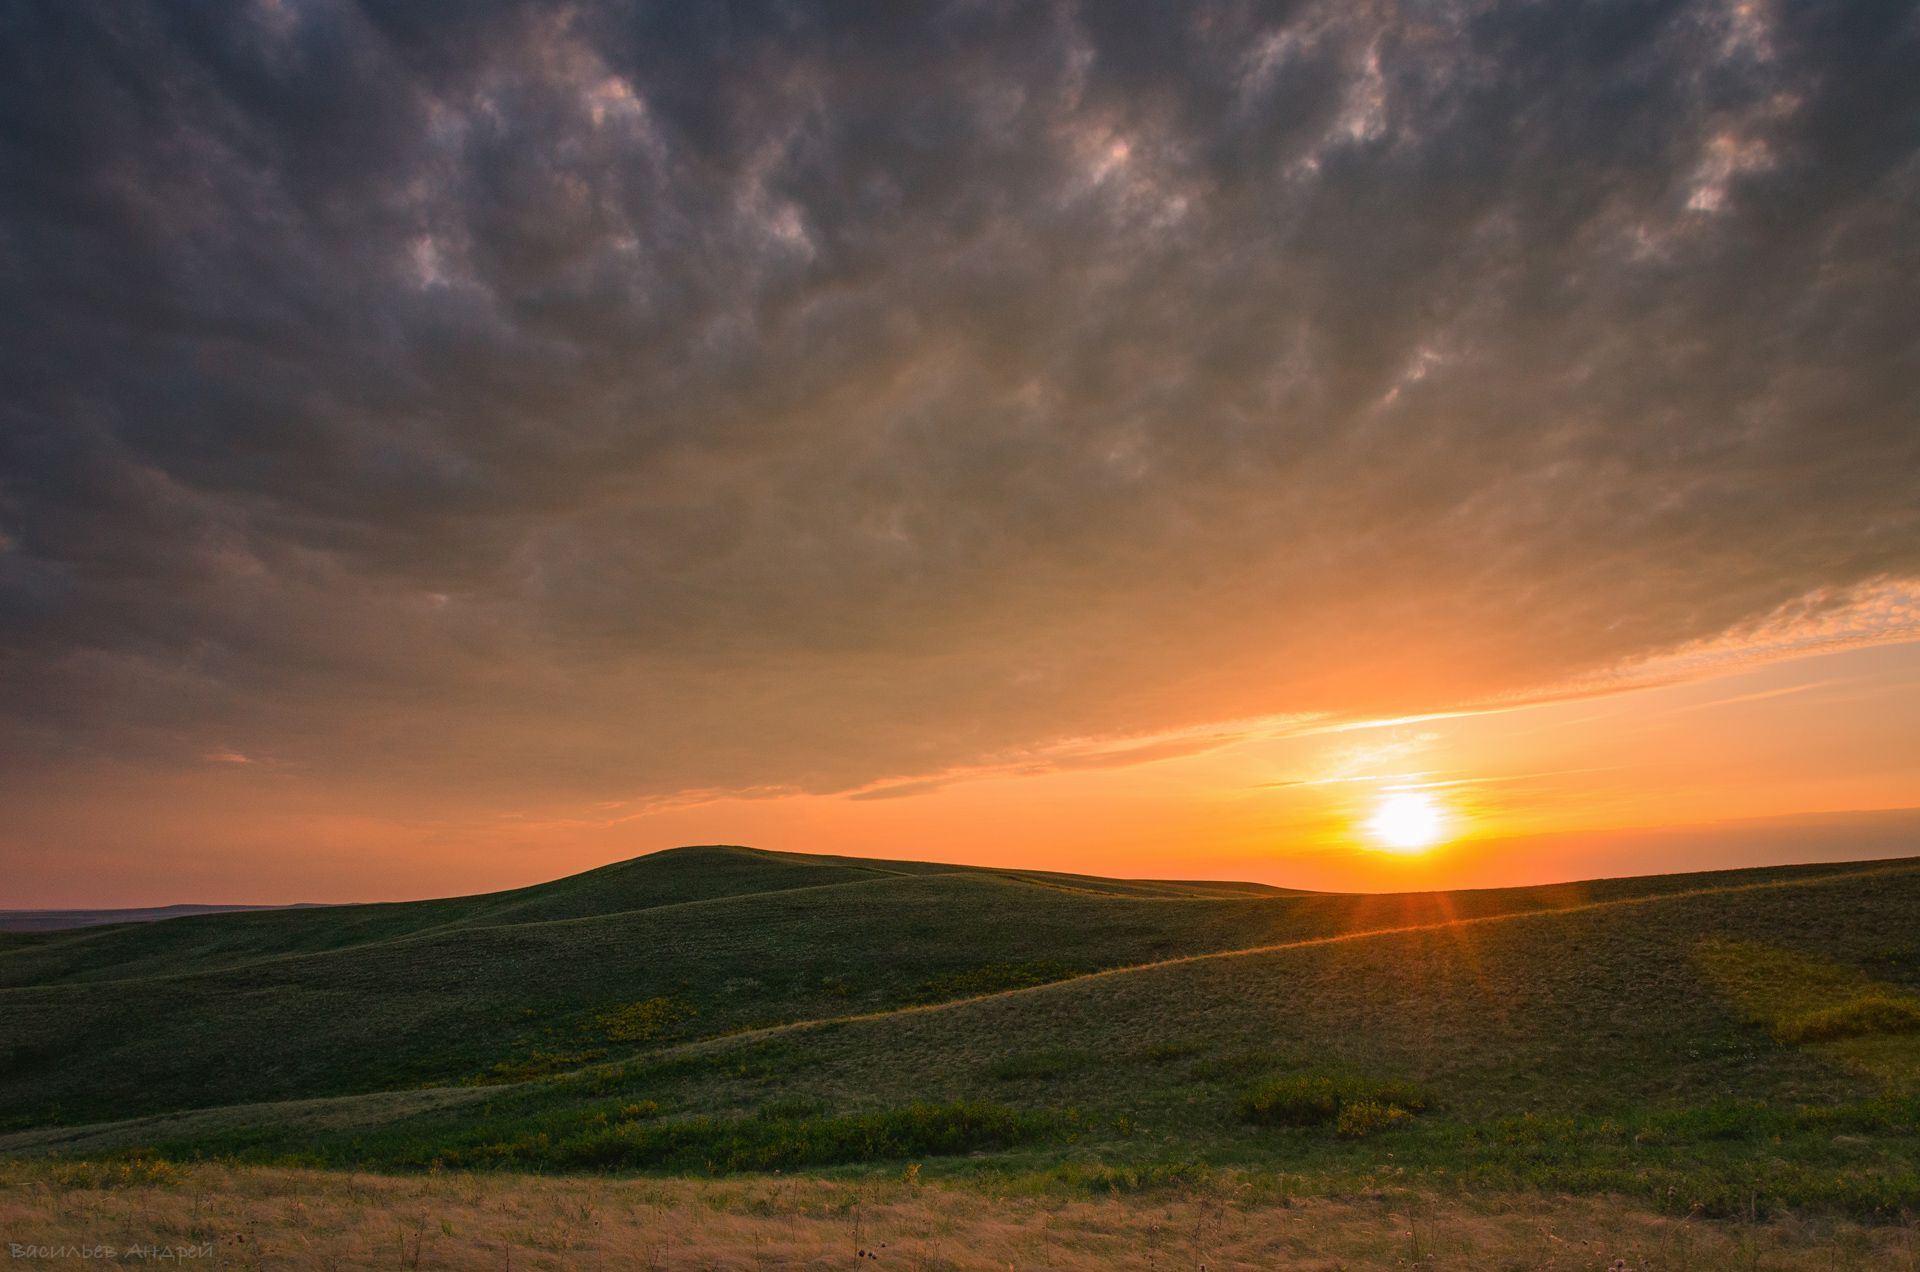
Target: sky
x,y
448,445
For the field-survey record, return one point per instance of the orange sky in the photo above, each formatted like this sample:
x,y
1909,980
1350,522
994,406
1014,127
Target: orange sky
x,y
1776,762
448,455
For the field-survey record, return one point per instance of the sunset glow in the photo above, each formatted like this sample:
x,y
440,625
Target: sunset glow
x,y
1316,580
1173,440
1407,821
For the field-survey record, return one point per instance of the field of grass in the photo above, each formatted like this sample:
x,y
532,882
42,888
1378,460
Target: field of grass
x,y
107,1023
1738,1047
307,1221
366,998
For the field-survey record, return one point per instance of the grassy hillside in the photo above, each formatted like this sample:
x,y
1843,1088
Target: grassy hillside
x,y
1734,1039
668,948
63,920
670,878
487,988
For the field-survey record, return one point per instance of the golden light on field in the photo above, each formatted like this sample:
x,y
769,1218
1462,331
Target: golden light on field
x,y
1407,821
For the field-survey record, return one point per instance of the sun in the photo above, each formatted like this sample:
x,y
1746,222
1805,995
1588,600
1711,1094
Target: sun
x,y
1407,821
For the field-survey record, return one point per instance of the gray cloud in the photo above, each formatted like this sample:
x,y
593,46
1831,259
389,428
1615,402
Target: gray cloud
x,y
616,399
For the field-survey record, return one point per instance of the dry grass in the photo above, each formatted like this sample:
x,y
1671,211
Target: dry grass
x,y
266,1218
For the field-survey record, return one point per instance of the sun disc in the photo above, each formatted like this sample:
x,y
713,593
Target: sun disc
x,y
1407,821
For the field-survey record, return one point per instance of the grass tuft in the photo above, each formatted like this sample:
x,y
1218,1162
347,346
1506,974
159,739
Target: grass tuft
x,y
1364,1117
132,1169
1869,1016
1140,1177
648,1021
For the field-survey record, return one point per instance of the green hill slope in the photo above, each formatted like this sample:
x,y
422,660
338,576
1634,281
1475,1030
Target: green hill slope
x,y
667,948
1620,1034
354,998
674,877
669,878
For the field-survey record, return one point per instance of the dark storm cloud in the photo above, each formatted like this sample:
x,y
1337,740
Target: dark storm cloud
x,y
622,398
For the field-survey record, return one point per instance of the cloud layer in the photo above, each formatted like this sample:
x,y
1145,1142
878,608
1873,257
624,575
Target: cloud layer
x,y
610,400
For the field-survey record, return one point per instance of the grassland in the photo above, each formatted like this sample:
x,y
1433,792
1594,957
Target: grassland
x,y
308,1221
243,1008
1738,1047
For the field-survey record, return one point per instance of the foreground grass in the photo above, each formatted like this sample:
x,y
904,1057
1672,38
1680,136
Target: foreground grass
x,y
1723,1161
1723,1066
300,1220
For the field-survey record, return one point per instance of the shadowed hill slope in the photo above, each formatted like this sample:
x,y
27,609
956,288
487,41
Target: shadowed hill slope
x,y
349,998
674,877
668,878
67,920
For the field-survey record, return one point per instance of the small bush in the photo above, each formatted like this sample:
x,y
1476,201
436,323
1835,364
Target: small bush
x,y
1401,1095
646,1021
1296,1099
1321,1099
1363,1117
1869,1016
536,1064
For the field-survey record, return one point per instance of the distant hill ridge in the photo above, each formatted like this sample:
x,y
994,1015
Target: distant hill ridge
x,y
61,920
661,878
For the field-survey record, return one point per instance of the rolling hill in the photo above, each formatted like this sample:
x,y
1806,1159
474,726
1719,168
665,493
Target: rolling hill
x,y
1744,1038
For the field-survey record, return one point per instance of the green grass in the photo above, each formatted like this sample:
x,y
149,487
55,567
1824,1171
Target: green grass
x,y
993,978
1042,1066
1326,1099
711,1145
1869,1016
420,1002
1629,1036
353,999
